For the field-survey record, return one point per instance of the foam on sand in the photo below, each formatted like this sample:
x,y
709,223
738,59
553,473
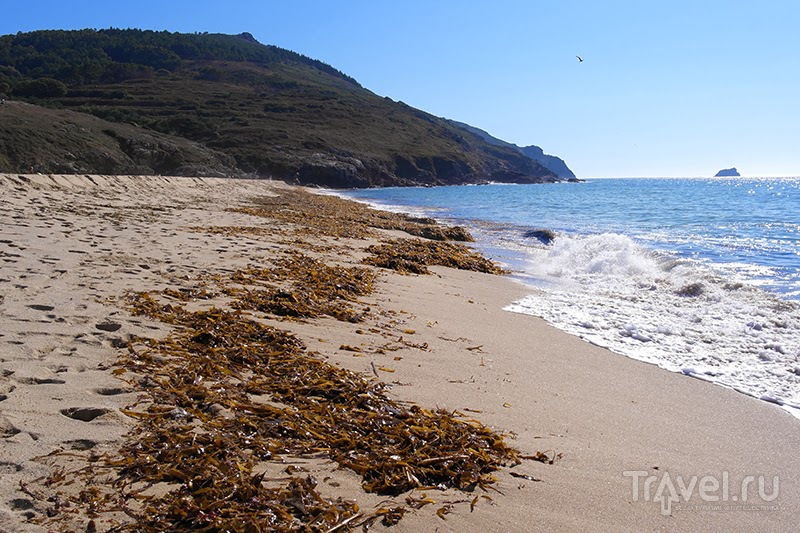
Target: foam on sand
x,y
677,314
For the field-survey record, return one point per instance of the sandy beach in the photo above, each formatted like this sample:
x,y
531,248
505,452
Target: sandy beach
x,y
633,447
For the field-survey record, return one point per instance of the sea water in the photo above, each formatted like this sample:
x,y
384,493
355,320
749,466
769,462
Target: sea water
x,y
699,276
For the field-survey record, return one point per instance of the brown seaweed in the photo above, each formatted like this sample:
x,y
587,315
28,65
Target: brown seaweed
x,y
219,361
415,256
205,429
336,411
299,286
337,217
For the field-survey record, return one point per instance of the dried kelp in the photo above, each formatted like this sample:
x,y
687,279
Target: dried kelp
x,y
208,427
415,256
300,286
185,295
306,273
337,217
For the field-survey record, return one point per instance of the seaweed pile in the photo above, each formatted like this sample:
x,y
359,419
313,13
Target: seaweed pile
x,y
415,256
314,288
228,393
336,217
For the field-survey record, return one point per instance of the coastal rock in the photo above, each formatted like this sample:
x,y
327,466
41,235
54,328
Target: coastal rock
x,y
551,162
727,172
330,171
545,236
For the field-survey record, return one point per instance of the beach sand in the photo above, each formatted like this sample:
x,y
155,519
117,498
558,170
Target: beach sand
x,y
623,432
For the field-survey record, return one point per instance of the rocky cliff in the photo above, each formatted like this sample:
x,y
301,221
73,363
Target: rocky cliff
x,y
550,162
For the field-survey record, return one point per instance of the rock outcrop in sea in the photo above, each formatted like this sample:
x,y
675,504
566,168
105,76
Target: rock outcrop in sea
x,y
727,172
545,236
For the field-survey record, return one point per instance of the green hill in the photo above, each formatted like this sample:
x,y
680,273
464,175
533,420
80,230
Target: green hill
x,y
228,105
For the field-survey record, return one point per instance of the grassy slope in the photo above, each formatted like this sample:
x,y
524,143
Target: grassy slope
x,y
62,141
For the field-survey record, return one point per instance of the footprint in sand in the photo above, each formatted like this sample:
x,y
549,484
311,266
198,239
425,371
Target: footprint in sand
x,y
84,414
7,467
7,429
81,444
21,504
40,381
41,307
119,342
112,391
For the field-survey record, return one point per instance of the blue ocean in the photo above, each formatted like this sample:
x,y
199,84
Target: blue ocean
x,y
699,276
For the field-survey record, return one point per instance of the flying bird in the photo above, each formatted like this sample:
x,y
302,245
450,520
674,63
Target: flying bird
x,y
580,59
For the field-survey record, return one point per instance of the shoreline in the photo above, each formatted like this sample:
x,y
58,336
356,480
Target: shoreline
x,y
89,241
789,408
711,327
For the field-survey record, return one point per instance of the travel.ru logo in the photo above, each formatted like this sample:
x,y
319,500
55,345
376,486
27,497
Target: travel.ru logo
x,y
710,493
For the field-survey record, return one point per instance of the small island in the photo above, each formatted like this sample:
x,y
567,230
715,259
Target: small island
x,y
727,172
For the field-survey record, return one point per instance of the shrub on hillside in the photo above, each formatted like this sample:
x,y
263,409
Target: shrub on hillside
x,y
41,88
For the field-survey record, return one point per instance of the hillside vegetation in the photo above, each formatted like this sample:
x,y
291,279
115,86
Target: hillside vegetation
x,y
222,105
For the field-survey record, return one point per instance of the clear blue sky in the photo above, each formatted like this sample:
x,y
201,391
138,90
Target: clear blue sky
x,y
667,88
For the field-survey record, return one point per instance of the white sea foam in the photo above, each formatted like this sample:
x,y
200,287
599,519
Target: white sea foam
x,y
678,314
713,292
